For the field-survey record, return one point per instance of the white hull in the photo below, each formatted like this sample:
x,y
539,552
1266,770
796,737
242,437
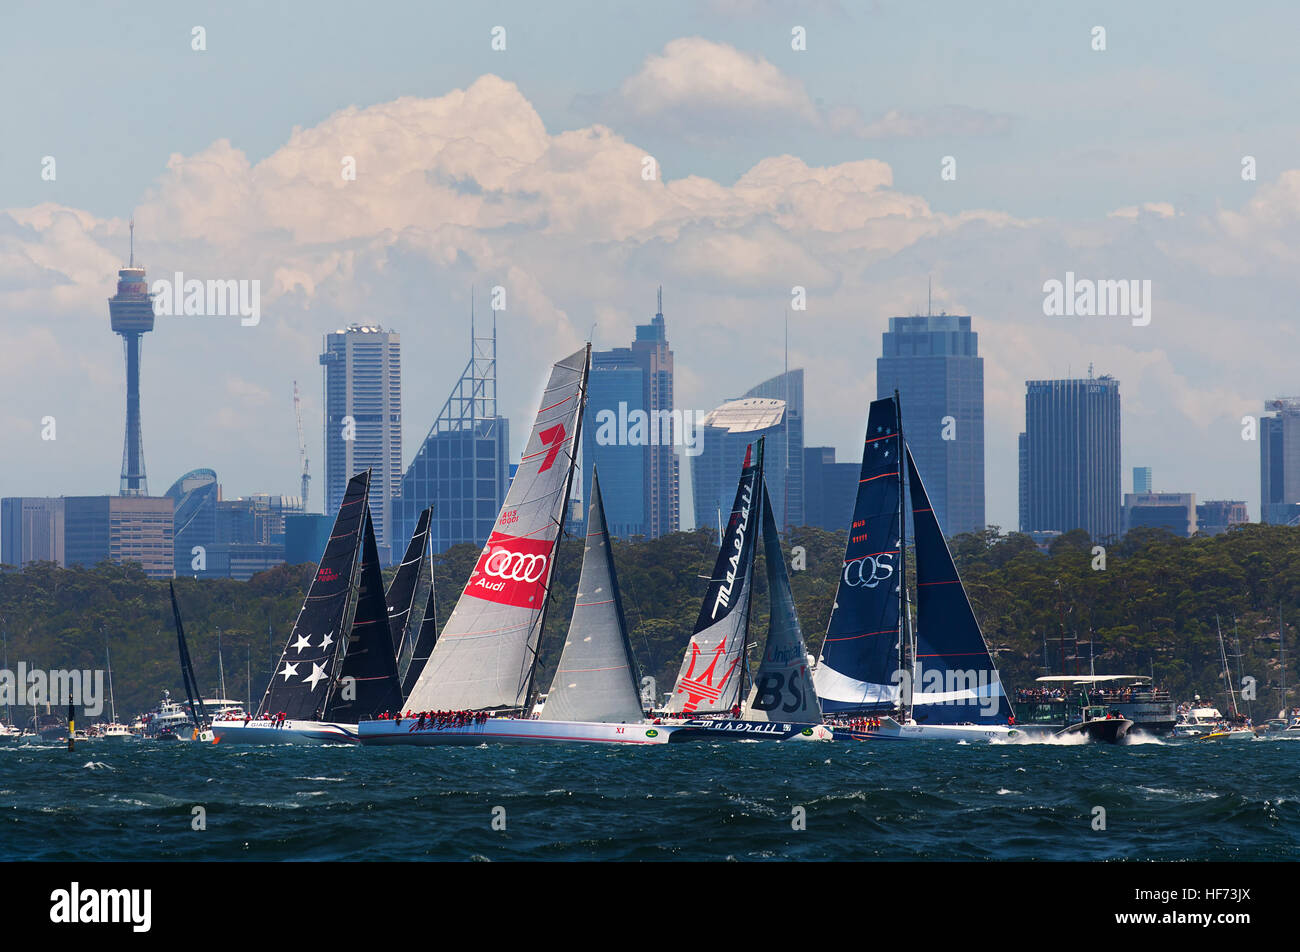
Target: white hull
x,y
1241,734
290,732
890,729
504,730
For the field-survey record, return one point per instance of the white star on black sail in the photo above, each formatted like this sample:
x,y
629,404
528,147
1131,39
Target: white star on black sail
x,y
327,641
289,670
303,642
317,675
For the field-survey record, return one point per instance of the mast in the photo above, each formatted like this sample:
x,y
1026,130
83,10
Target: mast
x,y
744,638
904,606
1281,643
4,632
112,702
221,666
1227,675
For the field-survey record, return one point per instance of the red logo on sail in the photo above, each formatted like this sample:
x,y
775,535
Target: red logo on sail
x,y
703,688
327,574
512,571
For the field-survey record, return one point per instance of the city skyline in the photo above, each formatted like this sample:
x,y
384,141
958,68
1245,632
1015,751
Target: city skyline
x,y
493,169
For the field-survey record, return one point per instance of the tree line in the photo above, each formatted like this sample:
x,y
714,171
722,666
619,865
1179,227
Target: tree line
x,y
1146,604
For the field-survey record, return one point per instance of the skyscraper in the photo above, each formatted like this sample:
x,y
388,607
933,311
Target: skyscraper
x,y
120,529
31,530
363,421
131,313
1072,430
462,468
933,362
638,464
1141,479
1279,461
830,489
789,507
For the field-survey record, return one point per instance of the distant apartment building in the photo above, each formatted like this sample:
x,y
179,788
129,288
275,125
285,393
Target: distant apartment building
x,y
361,367
305,536
1176,512
1141,479
1216,516
933,362
120,529
830,489
227,538
1279,461
1072,456
31,530
638,466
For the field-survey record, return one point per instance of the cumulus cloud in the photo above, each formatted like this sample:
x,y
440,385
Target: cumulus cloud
x,y
469,189
701,89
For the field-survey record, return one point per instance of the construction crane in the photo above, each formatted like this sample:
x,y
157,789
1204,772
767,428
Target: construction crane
x,y
302,447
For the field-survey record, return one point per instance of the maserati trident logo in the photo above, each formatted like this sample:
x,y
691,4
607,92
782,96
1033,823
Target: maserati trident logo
x,y
703,687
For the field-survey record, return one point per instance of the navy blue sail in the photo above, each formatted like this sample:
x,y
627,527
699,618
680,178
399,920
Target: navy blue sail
x,y
858,667
402,590
954,678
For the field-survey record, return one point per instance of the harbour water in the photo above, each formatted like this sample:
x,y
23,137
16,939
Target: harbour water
x,y
741,801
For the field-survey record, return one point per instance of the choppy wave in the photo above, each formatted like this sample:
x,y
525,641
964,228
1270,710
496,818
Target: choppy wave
x,y
751,802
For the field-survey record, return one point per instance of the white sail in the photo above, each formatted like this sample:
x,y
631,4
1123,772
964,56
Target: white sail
x,y
485,655
596,678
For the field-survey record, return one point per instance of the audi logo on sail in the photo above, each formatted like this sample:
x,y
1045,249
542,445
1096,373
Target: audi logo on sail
x,y
856,574
515,566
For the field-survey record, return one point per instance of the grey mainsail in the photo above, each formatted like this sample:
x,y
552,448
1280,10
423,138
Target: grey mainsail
x,y
596,678
487,651
783,687
711,672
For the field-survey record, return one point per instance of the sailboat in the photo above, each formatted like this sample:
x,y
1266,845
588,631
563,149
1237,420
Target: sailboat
x,y
338,664
782,702
876,677
113,730
1225,731
477,683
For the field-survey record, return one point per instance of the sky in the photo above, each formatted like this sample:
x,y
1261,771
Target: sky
x,y
1171,155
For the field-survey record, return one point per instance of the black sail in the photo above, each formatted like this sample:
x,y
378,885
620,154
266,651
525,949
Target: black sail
x,y
424,643
300,685
367,682
192,693
402,590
